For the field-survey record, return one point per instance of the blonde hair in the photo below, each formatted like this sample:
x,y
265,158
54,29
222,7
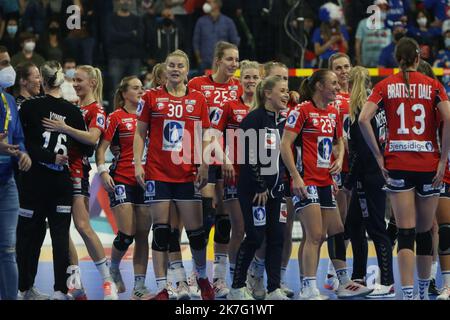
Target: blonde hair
x,y
178,53
52,74
268,66
119,101
157,72
359,80
247,64
94,74
219,52
267,84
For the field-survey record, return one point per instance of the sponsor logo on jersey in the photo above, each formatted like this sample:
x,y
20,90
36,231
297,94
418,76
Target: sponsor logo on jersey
x,y
292,119
270,141
332,116
150,188
160,106
190,108
207,93
26,213
127,120
119,192
324,151
313,114
410,146
312,193
216,116
172,135
429,187
190,101
55,116
239,111
140,107
397,183
207,87
259,216
129,126
63,209
233,88
283,213
162,100
315,122
101,120
239,118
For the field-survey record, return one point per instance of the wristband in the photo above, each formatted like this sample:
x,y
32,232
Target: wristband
x,y
102,168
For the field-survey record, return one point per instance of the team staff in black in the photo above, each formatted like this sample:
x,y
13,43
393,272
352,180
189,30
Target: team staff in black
x,y
46,190
368,201
260,187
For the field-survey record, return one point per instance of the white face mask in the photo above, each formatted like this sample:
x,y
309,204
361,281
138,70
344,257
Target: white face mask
x,y
29,46
207,8
7,77
70,73
422,21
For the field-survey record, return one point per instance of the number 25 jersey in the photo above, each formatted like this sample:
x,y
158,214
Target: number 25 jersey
x,y
411,121
171,124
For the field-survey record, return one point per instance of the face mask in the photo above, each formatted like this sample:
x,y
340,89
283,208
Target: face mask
x,y
398,36
29,46
12,30
53,30
167,22
422,21
207,8
70,73
7,77
383,15
447,42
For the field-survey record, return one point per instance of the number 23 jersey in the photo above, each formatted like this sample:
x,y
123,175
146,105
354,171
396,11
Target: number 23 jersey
x,y
411,121
317,128
171,124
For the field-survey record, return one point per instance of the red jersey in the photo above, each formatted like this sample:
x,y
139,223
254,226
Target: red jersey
x,y
342,103
171,124
317,128
411,122
447,168
122,125
230,117
216,94
94,117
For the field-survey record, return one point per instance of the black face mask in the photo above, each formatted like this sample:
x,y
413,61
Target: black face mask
x,y
398,36
53,30
167,22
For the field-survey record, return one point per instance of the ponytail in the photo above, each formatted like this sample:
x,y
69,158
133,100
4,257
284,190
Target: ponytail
x,y
360,80
406,53
308,86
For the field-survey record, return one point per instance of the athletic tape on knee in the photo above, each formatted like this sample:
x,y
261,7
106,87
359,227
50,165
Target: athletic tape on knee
x,y
406,238
122,241
197,239
222,229
161,236
444,239
424,243
174,241
336,247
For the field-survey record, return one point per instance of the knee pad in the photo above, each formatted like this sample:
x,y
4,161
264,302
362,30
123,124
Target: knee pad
x,y
222,229
444,239
161,236
122,241
336,247
208,215
406,239
174,241
424,243
197,239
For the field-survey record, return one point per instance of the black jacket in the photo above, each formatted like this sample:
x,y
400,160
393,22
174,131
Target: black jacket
x,y
263,166
361,159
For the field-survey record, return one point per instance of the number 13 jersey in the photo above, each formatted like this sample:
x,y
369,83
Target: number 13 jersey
x,y
411,121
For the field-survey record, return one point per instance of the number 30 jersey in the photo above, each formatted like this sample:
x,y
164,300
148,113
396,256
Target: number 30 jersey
x,y
411,121
175,129
316,129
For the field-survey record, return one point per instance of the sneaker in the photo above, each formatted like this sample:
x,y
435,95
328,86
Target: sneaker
x,y
352,290
381,292
256,286
183,291
240,294
432,289
276,294
445,294
206,291
288,292
171,290
117,278
141,293
331,282
110,291
58,295
35,294
162,295
76,294
20,295
220,288
193,286
310,293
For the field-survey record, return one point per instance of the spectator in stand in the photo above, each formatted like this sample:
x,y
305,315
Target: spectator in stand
x,y
35,16
67,90
398,11
51,47
210,29
81,42
425,34
149,22
124,45
371,37
167,38
443,57
182,19
10,37
387,57
439,9
332,36
28,44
